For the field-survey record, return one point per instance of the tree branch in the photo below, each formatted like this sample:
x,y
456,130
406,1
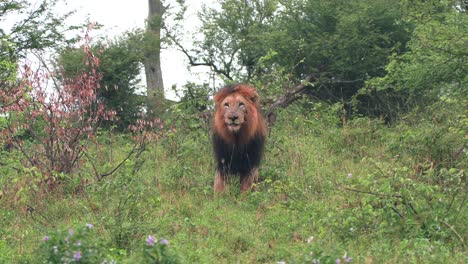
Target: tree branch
x,y
192,61
291,95
455,232
99,177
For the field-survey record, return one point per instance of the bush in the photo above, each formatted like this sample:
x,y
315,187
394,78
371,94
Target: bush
x,y
80,245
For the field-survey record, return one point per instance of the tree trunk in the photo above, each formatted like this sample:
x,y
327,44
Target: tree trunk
x,y
154,80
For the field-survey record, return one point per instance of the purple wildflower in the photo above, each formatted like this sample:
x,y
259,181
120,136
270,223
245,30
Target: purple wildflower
x,y
77,255
164,242
70,232
338,261
347,258
45,238
151,240
89,226
350,175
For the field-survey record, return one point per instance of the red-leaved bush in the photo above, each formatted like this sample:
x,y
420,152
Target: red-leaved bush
x,y
52,119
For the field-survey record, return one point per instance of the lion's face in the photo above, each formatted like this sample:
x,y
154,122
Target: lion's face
x,y
234,112
237,119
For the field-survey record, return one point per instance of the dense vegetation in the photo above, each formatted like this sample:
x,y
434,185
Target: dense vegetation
x,y
376,193
365,162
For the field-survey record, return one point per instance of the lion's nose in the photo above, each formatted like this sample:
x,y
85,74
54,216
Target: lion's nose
x,y
233,117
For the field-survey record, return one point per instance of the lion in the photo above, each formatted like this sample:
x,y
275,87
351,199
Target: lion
x,y
238,136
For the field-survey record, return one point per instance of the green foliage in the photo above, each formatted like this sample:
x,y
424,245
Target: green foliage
x,y
157,252
7,61
377,58
363,190
120,65
83,245
341,43
75,245
123,209
234,36
40,28
435,64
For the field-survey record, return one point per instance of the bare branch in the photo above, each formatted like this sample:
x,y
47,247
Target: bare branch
x,y
373,193
135,149
193,62
291,95
455,232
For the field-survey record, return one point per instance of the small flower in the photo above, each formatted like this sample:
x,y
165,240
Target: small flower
x,y
89,226
151,240
315,261
338,261
45,238
310,239
164,242
78,243
77,255
347,259
55,249
350,175
281,262
70,232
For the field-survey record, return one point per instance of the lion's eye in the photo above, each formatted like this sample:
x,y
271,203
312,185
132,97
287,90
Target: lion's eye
x,y
226,105
241,104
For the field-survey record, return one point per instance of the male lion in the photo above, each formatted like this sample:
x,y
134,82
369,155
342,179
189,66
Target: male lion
x,y
238,136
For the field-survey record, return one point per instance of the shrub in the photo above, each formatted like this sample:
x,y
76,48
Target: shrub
x,y
80,245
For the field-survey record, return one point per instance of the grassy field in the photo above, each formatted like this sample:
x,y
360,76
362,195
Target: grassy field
x,y
364,190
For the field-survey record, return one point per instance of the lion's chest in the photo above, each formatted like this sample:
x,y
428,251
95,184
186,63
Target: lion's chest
x,y
238,158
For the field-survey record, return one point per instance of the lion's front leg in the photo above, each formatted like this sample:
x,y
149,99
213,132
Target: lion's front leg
x,y
219,181
248,181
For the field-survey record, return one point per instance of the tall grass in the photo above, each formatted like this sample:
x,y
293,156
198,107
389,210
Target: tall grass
x,y
364,190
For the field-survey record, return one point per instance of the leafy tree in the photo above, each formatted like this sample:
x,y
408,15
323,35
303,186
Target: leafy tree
x,y
120,65
41,28
38,29
435,65
7,72
61,121
336,45
340,44
233,37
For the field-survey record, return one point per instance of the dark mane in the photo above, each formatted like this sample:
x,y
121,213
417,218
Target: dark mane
x,y
238,158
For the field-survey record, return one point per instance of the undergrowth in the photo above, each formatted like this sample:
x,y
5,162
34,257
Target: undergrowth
x,y
358,191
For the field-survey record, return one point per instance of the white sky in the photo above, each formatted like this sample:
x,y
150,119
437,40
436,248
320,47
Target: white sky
x,y
118,16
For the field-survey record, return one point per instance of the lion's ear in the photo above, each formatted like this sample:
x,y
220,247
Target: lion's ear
x,y
217,98
254,97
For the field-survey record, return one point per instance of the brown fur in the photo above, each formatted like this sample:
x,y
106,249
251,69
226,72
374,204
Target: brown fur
x,y
238,135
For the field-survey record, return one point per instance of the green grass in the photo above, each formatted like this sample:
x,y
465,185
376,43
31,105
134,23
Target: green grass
x,y
379,194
